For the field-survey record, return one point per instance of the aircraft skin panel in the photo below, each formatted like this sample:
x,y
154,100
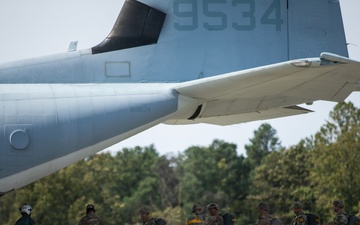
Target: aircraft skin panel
x,y
65,67
139,61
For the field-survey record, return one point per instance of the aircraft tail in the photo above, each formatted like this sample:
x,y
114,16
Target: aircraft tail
x,y
181,40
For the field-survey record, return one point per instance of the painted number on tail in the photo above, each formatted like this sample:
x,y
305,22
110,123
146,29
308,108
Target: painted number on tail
x,y
212,17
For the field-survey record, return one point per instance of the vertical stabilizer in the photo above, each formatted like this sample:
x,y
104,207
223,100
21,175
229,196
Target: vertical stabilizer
x,y
315,27
192,39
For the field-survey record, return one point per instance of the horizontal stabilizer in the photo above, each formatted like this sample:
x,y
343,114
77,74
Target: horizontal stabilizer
x,y
272,91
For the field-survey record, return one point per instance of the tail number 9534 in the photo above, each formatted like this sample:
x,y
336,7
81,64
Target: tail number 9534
x,y
213,18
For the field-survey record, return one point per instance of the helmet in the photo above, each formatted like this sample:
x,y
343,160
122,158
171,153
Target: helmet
x,y
196,207
90,207
212,206
144,210
264,206
297,205
25,209
338,203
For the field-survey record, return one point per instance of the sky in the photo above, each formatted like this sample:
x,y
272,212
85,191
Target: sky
x,y
34,28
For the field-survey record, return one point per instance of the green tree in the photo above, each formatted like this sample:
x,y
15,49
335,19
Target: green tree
x,y
116,185
213,174
168,181
264,141
282,178
6,207
336,172
136,182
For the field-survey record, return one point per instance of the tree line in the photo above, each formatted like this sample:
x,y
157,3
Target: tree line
x,y
316,171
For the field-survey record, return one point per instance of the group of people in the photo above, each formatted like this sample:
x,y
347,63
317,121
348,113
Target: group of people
x,y
213,218
197,218
300,217
89,219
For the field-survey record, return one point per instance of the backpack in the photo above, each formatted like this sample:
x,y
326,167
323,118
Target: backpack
x,y
276,221
353,220
229,219
160,221
313,219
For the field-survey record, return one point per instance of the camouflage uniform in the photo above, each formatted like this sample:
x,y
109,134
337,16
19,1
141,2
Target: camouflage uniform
x,y
214,220
146,211
150,222
264,220
264,217
300,218
91,220
196,218
340,219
